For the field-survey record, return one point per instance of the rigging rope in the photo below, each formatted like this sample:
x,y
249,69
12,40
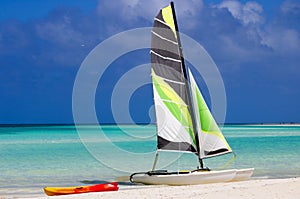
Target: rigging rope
x,y
227,164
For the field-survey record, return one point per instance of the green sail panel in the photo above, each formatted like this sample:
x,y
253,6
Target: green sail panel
x,y
173,115
211,140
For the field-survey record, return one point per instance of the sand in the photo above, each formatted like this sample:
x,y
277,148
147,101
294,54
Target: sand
x,y
258,188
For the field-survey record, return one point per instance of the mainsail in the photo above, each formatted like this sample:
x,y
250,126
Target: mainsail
x,y
184,122
173,113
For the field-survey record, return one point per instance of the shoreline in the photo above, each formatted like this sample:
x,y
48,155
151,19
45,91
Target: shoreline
x,y
254,188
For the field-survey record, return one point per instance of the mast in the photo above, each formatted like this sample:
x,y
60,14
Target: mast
x,y
188,89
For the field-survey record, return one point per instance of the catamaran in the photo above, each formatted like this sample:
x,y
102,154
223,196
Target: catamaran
x,y
184,121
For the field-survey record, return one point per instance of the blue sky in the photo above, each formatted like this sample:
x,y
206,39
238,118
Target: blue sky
x,y
255,44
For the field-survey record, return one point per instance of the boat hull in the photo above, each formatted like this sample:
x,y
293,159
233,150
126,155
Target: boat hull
x,y
54,191
199,177
243,174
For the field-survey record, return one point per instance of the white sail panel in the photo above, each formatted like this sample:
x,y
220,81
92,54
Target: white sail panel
x,y
211,139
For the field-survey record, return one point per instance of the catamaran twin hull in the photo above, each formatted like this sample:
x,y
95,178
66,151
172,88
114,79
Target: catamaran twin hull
x,y
192,178
183,119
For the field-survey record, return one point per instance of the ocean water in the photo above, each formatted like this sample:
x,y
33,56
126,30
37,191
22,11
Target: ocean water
x,y
32,157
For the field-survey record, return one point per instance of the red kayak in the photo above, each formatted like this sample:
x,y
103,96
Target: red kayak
x,y
55,191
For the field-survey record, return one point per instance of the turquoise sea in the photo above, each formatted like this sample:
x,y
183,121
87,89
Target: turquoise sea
x,y
32,157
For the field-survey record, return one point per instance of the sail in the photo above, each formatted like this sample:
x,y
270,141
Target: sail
x,y
211,139
173,113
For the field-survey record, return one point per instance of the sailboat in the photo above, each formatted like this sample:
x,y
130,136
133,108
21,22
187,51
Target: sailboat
x,y
184,121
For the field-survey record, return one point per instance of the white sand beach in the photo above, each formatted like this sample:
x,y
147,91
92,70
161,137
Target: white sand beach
x,y
256,188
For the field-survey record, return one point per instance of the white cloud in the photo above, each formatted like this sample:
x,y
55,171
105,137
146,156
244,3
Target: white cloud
x,y
61,32
282,35
252,13
290,6
248,13
282,41
133,9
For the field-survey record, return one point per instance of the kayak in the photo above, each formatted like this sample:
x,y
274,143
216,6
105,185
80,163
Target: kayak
x,y
55,191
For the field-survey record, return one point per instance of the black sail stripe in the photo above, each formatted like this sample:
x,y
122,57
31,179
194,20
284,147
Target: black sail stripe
x,y
163,38
162,22
167,69
165,47
176,146
165,32
163,57
163,29
171,81
223,150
